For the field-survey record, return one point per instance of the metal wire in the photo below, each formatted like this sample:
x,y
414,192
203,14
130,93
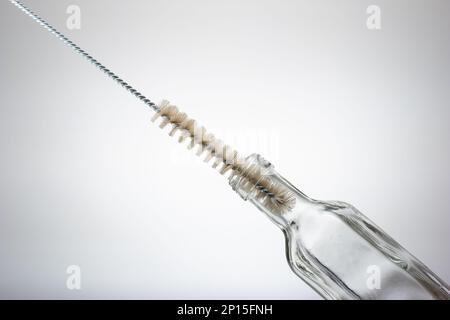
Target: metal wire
x,y
83,53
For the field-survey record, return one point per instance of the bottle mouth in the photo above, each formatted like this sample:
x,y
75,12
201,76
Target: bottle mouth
x,y
255,179
252,171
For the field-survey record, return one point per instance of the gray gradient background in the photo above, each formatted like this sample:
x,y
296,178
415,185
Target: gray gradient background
x,y
358,115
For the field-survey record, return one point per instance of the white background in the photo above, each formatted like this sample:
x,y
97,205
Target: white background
x,y
342,111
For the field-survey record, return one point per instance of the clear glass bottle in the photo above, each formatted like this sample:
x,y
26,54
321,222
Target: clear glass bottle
x,y
339,252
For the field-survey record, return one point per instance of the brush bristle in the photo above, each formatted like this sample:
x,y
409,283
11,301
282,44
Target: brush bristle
x,y
273,196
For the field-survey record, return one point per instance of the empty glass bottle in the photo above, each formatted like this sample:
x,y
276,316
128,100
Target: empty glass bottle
x,y
338,251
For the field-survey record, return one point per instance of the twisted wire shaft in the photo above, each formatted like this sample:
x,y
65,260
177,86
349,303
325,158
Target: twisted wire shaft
x,y
273,196
83,53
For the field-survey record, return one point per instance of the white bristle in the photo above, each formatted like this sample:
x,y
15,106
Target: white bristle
x,y
274,196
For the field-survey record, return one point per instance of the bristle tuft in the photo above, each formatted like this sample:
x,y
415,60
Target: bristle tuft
x,y
273,196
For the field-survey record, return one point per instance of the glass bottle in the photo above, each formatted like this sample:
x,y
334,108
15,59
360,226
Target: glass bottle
x,y
341,253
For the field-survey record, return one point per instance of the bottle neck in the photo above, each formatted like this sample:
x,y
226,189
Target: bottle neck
x,y
245,187
284,207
